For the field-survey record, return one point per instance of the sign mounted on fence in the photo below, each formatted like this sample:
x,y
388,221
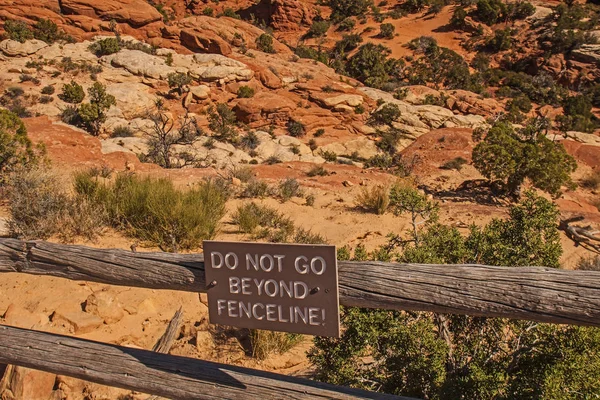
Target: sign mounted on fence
x,y
279,287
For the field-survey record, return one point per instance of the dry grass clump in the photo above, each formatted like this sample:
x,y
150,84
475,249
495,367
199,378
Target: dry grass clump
x,y
40,207
265,343
264,222
376,199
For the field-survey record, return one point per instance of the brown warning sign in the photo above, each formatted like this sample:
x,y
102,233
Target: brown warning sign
x,y
279,287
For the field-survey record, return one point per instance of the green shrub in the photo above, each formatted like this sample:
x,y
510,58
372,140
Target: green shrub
x,y
93,114
177,80
318,29
490,11
245,92
105,47
341,9
16,150
385,115
72,93
319,132
17,30
265,43
310,200
501,41
578,115
208,11
456,163
511,156
46,99
328,155
289,188
256,188
296,128
376,199
317,170
387,31
312,54
48,89
347,24
229,12
47,31
155,212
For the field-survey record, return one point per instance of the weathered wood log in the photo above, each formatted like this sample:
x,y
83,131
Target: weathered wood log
x,y
532,293
145,371
164,344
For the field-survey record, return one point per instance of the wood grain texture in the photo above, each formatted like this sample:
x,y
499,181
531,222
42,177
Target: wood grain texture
x,y
532,293
145,371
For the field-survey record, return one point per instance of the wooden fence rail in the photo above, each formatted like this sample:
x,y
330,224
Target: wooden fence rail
x,y
159,374
532,293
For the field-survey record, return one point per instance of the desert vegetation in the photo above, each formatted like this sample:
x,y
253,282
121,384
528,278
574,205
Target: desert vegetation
x,y
418,131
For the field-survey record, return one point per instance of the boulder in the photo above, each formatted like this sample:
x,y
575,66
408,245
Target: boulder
x,y
265,108
29,384
204,41
200,92
351,100
587,53
139,63
77,52
290,15
104,305
134,12
362,147
23,318
77,322
215,67
12,48
133,99
540,13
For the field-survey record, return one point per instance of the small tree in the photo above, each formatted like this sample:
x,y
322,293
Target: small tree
x,y
578,115
222,122
386,115
16,150
341,9
405,198
93,114
177,80
72,93
511,157
164,136
17,30
387,31
47,31
265,43
318,29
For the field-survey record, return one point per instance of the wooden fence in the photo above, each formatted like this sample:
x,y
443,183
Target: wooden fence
x,y
532,293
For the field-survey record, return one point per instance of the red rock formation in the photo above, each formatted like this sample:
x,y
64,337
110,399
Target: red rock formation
x,y
133,12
